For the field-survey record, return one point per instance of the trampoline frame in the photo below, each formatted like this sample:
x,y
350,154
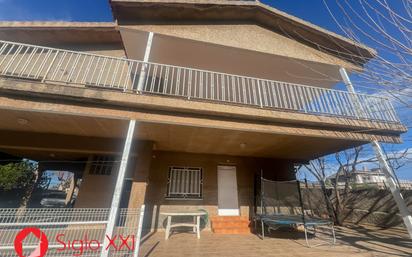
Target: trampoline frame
x,y
273,222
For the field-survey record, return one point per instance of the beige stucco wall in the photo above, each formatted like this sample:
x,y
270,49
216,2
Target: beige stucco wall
x,y
115,50
301,64
140,170
96,191
245,167
246,36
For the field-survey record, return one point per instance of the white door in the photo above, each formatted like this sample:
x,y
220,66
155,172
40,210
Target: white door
x,y
228,204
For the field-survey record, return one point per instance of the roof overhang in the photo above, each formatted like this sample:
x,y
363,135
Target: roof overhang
x,y
195,54
213,11
58,32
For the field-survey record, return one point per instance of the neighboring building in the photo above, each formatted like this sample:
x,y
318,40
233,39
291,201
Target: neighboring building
x,y
360,177
369,176
366,177
405,184
221,90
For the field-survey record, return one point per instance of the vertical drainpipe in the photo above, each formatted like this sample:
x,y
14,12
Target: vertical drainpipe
x,y
143,70
387,170
114,208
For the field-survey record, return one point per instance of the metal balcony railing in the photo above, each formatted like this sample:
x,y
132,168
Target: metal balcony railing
x,y
77,68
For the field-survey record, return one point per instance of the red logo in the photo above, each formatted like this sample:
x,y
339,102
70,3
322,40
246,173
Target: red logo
x,y
40,250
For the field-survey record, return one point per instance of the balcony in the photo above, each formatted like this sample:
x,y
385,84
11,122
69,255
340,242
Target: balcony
x,y
51,65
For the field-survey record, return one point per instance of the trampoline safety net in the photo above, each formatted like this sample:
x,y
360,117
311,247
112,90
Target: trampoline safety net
x,y
284,198
280,198
281,203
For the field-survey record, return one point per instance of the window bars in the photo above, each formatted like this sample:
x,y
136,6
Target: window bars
x,y
103,165
185,183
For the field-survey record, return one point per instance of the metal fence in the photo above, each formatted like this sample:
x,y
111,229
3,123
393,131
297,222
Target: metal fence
x,y
71,232
85,69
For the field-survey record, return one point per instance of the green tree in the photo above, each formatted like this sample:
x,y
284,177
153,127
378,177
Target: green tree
x,y
20,175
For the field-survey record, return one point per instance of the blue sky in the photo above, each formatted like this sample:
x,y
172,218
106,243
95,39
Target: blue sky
x,y
99,10
64,10
54,177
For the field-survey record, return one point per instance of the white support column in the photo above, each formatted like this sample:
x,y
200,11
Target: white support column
x,y
114,208
346,80
394,187
387,170
351,90
143,70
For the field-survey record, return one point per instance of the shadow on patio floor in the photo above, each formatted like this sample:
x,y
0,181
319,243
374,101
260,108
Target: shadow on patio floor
x,y
351,241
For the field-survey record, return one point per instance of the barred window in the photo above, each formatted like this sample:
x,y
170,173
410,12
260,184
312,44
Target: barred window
x,y
102,165
184,183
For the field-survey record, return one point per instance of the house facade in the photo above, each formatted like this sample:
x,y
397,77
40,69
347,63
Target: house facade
x,y
221,92
368,177
361,177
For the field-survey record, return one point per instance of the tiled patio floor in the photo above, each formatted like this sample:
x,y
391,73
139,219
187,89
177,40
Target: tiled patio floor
x,y
355,241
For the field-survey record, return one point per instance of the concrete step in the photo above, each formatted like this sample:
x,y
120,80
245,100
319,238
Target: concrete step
x,y
229,218
230,225
231,231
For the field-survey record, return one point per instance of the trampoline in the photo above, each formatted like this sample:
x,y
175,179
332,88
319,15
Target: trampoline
x,y
281,205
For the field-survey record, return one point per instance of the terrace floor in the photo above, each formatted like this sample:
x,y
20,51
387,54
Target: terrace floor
x,y
351,241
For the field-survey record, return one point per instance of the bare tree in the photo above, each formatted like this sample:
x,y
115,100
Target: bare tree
x,y
397,160
347,162
318,169
341,166
387,26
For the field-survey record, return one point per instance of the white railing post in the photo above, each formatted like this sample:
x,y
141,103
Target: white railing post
x,y
50,66
393,115
142,76
394,187
139,232
114,208
260,93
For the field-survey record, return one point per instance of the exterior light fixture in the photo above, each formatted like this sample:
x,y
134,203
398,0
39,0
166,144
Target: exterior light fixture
x,y
22,121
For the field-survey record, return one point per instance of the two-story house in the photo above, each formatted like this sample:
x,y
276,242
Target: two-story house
x,y
220,91
359,177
